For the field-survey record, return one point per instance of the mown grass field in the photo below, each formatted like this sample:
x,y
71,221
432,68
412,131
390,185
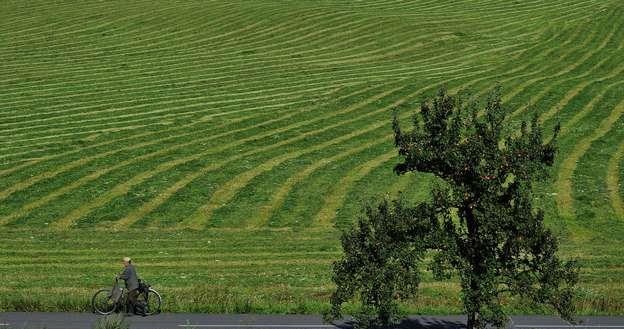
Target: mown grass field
x,y
223,144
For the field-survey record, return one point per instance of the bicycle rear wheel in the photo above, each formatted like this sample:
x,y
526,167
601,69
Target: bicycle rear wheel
x,y
152,301
103,303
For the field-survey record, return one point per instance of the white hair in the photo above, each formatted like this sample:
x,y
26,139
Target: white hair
x,y
127,259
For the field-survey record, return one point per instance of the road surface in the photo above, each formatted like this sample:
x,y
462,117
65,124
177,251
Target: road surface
x,y
38,320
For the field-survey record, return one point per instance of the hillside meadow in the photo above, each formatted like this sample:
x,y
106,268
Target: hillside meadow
x,y
224,144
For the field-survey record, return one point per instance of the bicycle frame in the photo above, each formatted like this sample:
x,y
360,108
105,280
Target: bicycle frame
x,y
121,300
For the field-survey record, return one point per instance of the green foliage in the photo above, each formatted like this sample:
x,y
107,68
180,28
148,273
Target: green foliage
x,y
382,261
480,223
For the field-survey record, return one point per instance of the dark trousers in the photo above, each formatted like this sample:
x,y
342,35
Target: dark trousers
x,y
132,299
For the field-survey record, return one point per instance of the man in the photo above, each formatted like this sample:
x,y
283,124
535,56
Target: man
x,y
129,275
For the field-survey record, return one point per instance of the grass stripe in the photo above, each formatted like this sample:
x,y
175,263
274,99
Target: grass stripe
x,y
279,196
195,222
64,168
104,171
115,110
122,189
563,184
336,197
613,181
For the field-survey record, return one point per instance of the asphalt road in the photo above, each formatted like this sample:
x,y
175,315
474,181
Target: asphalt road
x,y
20,320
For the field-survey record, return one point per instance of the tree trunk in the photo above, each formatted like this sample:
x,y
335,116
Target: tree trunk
x,y
472,317
476,263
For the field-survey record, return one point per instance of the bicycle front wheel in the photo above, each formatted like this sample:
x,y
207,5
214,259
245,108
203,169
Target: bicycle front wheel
x,y
103,303
152,301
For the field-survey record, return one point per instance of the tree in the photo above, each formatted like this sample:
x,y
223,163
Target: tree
x,y
480,224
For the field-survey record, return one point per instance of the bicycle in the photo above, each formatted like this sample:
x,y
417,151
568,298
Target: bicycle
x,y
106,301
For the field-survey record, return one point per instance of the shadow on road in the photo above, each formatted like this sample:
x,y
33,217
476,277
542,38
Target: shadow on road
x,y
415,324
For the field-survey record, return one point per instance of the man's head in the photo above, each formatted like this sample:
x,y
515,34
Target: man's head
x,y
127,261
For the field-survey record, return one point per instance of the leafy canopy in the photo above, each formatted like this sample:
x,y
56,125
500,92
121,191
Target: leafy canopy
x,y
480,224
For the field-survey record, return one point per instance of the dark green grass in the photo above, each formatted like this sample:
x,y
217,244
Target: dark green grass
x,y
238,271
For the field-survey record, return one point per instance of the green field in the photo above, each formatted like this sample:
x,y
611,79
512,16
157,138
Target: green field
x,y
223,144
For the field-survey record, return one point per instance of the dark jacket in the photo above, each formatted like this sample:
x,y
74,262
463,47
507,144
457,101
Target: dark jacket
x,y
130,276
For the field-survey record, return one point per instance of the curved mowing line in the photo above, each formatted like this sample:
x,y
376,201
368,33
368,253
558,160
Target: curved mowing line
x,y
341,14
27,208
201,51
190,112
282,65
76,12
66,25
189,106
233,21
226,192
85,107
82,181
163,63
232,17
106,21
512,74
185,80
74,164
229,189
613,183
202,120
161,72
289,26
170,109
543,68
121,128
189,84
105,130
203,98
162,197
46,27
154,14
122,189
91,70
574,91
484,6
56,97
265,212
582,113
151,87
481,17
144,134
289,91
252,69
566,70
578,89
563,185
336,198
8,171
106,143
317,74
